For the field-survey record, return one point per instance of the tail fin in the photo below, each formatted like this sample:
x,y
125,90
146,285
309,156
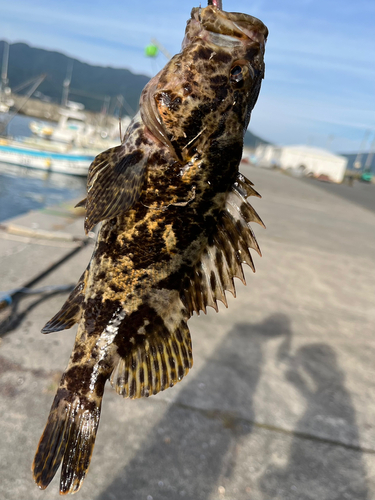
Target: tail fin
x,y
69,436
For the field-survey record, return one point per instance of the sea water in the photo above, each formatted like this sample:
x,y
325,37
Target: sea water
x,y
23,189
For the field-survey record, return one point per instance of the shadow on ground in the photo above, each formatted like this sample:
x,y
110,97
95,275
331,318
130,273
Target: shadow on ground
x,y
193,449
318,469
12,316
190,448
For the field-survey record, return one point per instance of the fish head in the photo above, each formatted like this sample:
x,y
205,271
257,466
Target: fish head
x,y
201,101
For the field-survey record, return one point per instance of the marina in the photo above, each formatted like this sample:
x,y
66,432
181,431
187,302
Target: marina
x,y
67,147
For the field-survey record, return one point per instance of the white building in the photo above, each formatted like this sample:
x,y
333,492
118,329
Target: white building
x,y
305,159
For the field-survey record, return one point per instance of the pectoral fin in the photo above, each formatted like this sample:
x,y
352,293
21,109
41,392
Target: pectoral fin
x,y
114,183
70,313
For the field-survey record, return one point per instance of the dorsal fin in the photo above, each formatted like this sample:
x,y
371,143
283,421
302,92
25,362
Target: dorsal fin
x,y
81,203
70,313
223,257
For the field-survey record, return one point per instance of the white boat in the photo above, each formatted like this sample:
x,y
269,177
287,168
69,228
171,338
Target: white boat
x,y
70,127
68,148
60,154
74,162
74,129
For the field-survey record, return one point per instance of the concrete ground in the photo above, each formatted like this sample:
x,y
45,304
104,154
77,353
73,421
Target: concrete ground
x,y
360,193
280,402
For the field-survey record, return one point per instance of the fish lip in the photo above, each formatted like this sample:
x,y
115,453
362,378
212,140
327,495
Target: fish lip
x,y
253,35
232,24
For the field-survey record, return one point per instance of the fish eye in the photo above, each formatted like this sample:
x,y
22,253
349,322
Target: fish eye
x,y
237,73
240,73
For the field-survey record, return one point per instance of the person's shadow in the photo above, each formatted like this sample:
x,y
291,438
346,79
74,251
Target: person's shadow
x,y
195,444
329,467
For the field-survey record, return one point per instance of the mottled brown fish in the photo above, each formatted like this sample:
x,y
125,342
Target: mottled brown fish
x,y
175,233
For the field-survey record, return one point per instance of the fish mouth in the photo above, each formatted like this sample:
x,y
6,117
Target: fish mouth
x,y
220,28
225,28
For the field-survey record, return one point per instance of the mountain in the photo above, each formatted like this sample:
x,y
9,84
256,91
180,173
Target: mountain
x,y
89,84
251,140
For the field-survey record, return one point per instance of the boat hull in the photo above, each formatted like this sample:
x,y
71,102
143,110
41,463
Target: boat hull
x,y
65,163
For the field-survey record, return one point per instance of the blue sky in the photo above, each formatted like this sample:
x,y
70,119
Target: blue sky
x,y
320,56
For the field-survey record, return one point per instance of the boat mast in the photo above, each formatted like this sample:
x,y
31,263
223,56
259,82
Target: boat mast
x,y
4,70
4,125
66,84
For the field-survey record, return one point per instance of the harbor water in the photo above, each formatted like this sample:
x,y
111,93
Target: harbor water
x,y
23,189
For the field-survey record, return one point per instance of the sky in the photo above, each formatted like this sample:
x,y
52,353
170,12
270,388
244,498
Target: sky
x,y
320,56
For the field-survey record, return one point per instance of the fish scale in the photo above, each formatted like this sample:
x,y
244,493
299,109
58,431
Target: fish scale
x,y
175,231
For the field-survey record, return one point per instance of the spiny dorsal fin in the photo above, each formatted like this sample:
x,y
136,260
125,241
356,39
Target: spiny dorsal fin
x,y
114,183
223,257
81,203
70,313
155,361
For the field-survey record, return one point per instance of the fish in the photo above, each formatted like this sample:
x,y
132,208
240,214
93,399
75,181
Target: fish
x,y
175,231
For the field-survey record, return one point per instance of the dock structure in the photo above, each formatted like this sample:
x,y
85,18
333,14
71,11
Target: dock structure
x,y
280,401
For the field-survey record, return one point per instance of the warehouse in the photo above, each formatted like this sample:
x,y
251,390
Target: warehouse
x,y
306,160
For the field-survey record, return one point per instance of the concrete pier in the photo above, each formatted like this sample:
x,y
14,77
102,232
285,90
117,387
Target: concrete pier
x,y
280,401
